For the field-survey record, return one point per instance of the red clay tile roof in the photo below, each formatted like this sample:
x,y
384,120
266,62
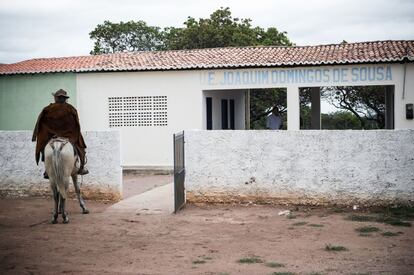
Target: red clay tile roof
x,y
234,57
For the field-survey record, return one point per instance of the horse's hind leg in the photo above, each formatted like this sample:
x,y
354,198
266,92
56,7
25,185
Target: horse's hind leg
x,y
78,194
56,200
63,209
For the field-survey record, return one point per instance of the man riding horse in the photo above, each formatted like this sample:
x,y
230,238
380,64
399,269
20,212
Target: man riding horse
x,y
59,119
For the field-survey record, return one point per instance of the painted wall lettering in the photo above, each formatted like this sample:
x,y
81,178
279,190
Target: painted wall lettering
x,y
352,75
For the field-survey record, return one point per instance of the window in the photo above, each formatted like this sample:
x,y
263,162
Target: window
x,y
141,111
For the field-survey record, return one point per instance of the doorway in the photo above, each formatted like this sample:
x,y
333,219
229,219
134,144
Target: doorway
x,y
224,110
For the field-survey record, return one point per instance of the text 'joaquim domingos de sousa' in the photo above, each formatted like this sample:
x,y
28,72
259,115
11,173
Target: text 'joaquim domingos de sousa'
x,y
296,76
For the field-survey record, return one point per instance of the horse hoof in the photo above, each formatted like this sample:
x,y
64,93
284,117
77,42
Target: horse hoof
x,y
66,220
54,221
85,211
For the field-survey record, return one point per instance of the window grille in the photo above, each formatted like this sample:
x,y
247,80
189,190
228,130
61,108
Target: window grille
x,y
141,111
160,111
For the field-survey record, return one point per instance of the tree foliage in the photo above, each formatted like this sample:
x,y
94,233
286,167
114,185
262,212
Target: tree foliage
x,y
219,30
222,30
126,37
366,103
340,120
359,107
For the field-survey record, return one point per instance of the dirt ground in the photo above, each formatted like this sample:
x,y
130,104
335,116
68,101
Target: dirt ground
x,y
201,239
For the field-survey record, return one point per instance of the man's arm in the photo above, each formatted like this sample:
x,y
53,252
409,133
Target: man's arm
x,y
75,114
36,128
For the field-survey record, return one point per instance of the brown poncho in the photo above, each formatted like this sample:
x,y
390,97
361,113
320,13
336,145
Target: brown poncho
x,y
58,119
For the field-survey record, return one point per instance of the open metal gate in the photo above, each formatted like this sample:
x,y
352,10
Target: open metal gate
x,y
179,172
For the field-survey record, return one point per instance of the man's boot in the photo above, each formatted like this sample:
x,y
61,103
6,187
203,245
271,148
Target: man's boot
x,y
83,170
45,175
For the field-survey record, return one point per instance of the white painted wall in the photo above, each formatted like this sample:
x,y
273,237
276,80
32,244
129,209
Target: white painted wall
x,y
152,146
314,166
142,146
19,175
400,121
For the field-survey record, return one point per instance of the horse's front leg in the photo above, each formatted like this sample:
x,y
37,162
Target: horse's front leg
x,y
78,194
56,200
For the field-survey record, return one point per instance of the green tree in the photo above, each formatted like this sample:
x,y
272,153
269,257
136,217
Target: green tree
x,y
366,103
222,30
219,30
359,107
340,120
126,37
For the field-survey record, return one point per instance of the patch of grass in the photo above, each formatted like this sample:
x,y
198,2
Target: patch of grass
x,y
403,212
299,223
199,262
361,218
380,219
393,221
367,229
391,234
274,264
338,210
291,216
315,273
364,234
283,273
330,247
250,260
315,225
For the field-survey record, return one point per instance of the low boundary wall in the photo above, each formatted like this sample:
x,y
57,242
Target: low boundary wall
x,y
19,175
302,167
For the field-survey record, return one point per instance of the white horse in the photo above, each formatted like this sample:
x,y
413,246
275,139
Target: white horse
x,y
61,166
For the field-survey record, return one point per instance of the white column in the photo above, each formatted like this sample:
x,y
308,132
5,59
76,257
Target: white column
x,y
293,109
399,107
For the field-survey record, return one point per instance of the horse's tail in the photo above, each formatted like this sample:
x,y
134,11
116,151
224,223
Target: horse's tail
x,y
58,169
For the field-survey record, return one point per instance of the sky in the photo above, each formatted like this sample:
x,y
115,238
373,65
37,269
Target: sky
x,y
54,28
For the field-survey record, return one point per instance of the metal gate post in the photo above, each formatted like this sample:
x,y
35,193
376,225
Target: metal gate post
x,y
179,171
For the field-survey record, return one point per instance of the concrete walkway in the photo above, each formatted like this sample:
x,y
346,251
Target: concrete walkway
x,y
159,200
